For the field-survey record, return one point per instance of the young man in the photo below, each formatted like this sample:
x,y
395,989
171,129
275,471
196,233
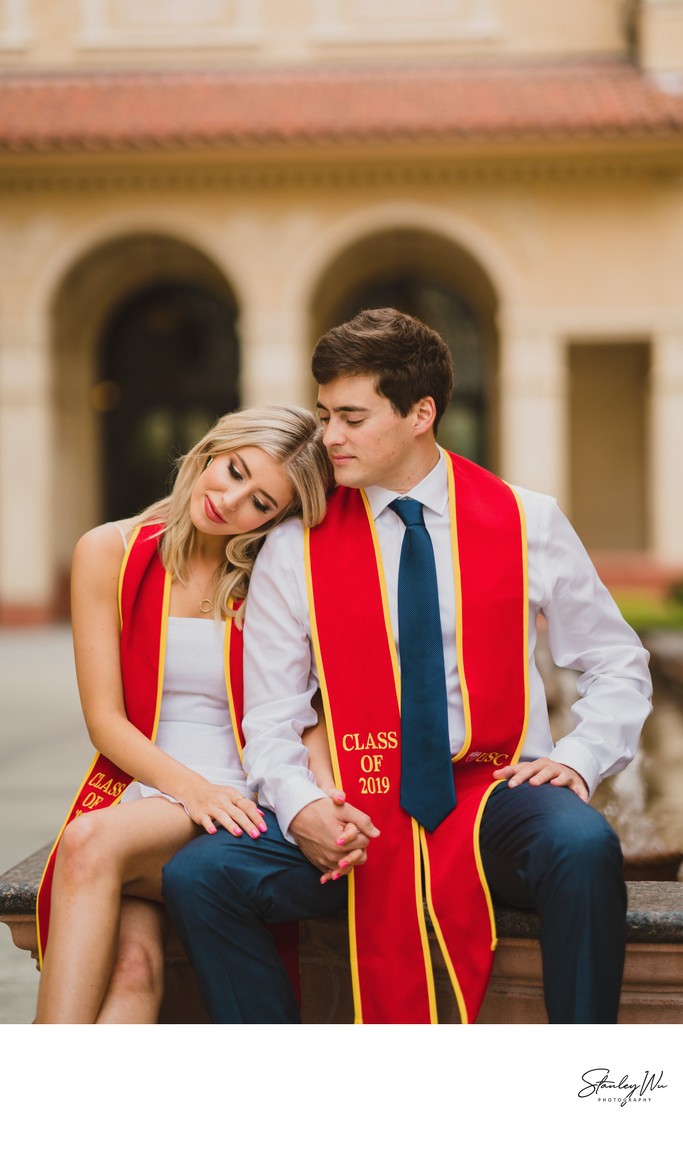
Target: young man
x,y
440,744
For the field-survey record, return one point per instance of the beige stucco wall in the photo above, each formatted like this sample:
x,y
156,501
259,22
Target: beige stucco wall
x,y
568,258
90,34
554,248
660,40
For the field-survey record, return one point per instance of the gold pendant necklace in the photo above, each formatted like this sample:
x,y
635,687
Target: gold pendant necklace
x,y
205,604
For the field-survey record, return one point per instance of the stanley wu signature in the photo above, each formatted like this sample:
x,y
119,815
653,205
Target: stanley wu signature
x,y
606,1089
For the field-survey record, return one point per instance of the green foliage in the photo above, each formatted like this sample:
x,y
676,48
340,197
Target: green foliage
x,y
676,592
649,613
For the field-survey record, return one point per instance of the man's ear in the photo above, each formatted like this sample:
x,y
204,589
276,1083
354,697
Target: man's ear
x,y
424,414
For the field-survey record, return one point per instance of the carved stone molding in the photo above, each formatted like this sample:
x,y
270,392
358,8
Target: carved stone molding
x,y
405,21
111,24
410,170
14,26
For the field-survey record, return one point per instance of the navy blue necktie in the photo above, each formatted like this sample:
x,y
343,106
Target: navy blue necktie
x,y
427,787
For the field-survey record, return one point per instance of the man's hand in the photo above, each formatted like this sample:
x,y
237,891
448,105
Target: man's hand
x,y
333,835
544,771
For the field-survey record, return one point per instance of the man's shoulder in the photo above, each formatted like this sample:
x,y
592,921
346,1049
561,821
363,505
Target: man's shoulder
x,y
541,512
534,500
282,541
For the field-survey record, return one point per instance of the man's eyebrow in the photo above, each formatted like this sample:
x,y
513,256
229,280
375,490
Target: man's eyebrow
x,y
343,407
247,472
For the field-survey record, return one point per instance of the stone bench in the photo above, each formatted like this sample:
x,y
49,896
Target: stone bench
x,y
653,978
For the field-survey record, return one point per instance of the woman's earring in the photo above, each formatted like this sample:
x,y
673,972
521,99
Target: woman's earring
x,y
209,460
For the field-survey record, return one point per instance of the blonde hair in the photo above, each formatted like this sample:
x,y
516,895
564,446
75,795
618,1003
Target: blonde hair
x,y
292,436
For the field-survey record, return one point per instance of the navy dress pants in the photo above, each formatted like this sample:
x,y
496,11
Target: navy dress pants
x,y
541,847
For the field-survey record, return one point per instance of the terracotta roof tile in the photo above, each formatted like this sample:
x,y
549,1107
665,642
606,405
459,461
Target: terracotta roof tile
x,y
166,110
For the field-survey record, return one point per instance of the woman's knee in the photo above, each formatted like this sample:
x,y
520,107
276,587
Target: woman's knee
x,y
84,848
139,968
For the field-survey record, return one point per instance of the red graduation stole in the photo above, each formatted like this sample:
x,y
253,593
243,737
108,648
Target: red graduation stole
x,y
392,974
144,594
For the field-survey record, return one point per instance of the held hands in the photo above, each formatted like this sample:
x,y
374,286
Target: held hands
x,y
208,804
544,771
333,835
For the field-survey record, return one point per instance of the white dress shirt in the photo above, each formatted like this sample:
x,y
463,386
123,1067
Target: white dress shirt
x,y
585,629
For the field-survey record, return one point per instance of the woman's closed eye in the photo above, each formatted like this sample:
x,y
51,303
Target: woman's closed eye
x,y
258,503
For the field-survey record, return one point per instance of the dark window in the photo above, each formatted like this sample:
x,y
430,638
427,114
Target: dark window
x,y
168,367
463,427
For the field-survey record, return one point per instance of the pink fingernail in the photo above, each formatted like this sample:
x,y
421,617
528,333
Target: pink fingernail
x,y
263,827
211,830
342,865
325,878
341,842
254,834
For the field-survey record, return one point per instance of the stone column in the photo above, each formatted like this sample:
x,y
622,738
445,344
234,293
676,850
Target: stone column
x,y
275,355
666,447
26,468
659,41
533,411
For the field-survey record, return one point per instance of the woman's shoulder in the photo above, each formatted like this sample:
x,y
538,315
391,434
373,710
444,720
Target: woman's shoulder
x,y
106,541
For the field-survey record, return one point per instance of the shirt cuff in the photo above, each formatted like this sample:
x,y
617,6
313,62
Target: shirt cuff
x,y
573,754
293,798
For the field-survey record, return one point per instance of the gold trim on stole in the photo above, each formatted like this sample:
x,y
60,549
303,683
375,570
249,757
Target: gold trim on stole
x,y
229,623
160,679
422,924
468,732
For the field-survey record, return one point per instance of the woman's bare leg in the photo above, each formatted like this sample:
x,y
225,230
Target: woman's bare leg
x,y
102,855
136,985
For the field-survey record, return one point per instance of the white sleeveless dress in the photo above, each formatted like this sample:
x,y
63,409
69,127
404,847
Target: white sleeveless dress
x,y
194,721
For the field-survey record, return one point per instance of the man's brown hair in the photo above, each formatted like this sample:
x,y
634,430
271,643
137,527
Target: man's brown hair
x,y
407,359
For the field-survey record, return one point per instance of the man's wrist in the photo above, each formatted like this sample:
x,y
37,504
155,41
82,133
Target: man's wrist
x,y
570,753
288,810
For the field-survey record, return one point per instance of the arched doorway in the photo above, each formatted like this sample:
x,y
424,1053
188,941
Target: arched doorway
x,y
145,343
464,424
168,367
432,279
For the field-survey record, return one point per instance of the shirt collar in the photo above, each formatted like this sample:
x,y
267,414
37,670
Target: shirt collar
x,y
432,491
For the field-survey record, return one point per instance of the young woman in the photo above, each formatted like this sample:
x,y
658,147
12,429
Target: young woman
x,y
152,599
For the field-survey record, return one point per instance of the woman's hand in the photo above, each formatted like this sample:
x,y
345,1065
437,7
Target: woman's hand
x,y
96,631
350,836
353,828
208,804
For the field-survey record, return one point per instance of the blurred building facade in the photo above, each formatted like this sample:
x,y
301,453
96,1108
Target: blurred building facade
x,y
191,192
